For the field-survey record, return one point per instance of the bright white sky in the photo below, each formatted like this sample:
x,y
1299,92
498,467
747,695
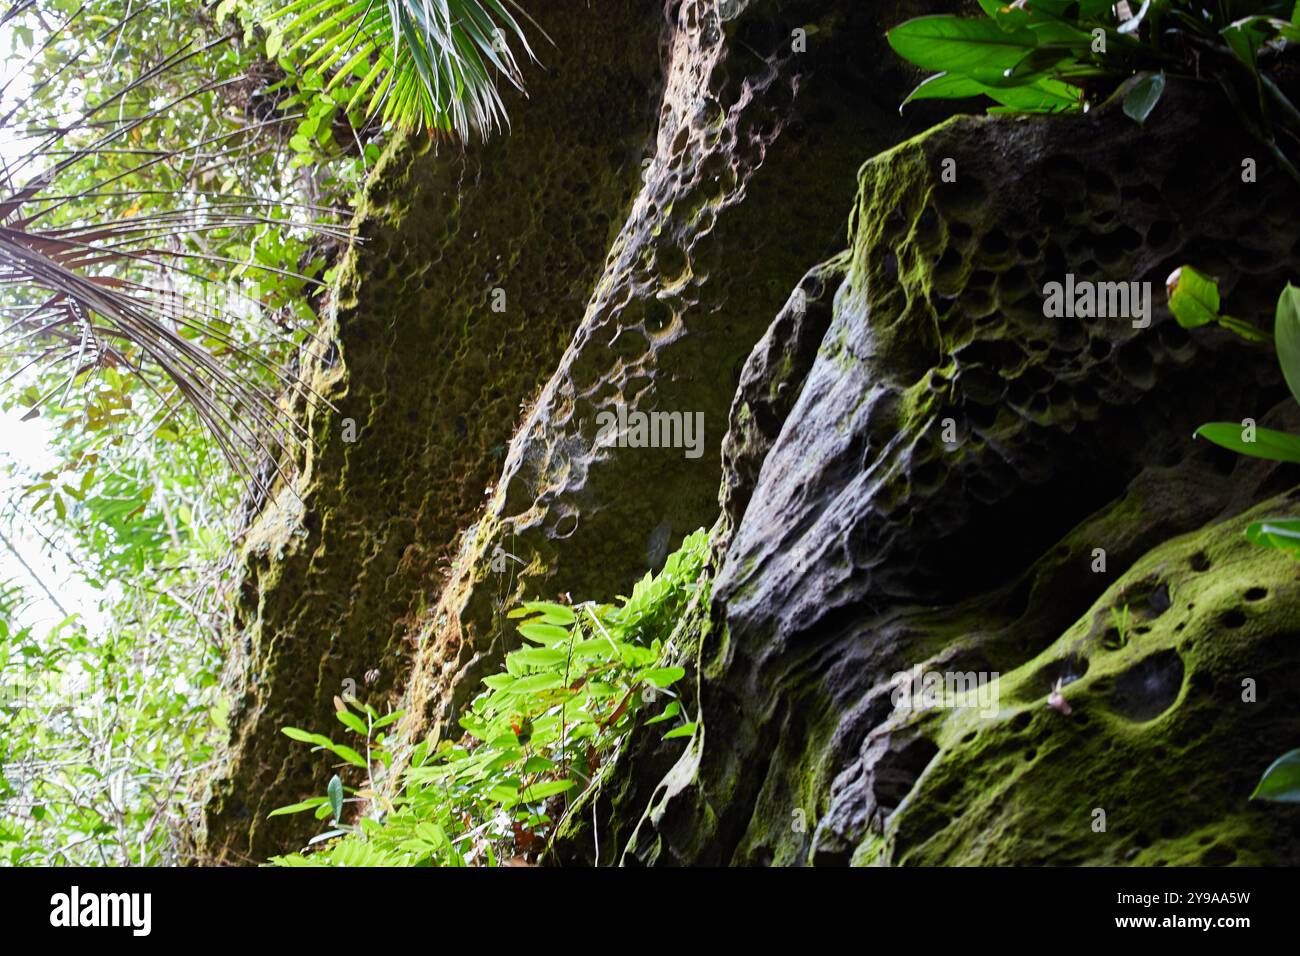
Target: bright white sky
x,y
27,444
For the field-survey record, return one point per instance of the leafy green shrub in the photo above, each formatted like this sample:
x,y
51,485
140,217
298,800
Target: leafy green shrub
x,y
534,738
109,711
1066,55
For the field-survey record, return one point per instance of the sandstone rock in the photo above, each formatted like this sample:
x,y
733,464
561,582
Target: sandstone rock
x,y
336,577
870,545
756,150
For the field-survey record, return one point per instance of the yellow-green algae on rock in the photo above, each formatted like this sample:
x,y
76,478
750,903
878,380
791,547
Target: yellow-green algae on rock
x,y
1171,721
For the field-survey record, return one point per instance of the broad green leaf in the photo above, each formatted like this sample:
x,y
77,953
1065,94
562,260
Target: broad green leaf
x,y
311,804
547,788
979,49
1044,96
1269,443
352,722
551,613
946,86
537,683
1040,62
350,755
1281,781
1143,96
685,730
320,740
538,656
335,792
431,833
1280,533
671,711
1193,297
543,633
1286,335
1245,36
504,793
663,676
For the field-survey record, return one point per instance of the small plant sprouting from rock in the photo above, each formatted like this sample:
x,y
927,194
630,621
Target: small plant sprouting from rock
x,y
534,739
1194,300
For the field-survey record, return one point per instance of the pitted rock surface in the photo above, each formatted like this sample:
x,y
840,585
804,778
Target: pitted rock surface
x,y
871,544
1172,719
433,377
757,143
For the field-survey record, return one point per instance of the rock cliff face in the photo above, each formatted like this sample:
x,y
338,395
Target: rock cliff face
x,y
468,283
768,109
920,469
873,543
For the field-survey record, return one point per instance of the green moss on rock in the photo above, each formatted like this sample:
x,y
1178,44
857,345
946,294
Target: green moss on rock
x,y
1172,721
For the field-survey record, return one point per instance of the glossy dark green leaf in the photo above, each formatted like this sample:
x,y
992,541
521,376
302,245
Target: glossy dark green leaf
x,y
1143,96
1286,336
1268,443
1281,781
335,792
979,49
1043,96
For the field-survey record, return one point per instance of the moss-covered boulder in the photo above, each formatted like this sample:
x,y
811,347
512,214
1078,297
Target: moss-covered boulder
x,y
1176,690
968,483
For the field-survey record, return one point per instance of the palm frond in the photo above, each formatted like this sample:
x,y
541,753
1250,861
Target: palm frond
x,y
432,64
92,279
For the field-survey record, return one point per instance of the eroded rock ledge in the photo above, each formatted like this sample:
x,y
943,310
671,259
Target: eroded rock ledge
x,y
866,545
757,147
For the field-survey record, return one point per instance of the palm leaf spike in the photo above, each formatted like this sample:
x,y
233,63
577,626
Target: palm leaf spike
x,y
435,62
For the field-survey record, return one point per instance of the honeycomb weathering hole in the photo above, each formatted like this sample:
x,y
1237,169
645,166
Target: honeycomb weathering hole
x,y
1149,688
